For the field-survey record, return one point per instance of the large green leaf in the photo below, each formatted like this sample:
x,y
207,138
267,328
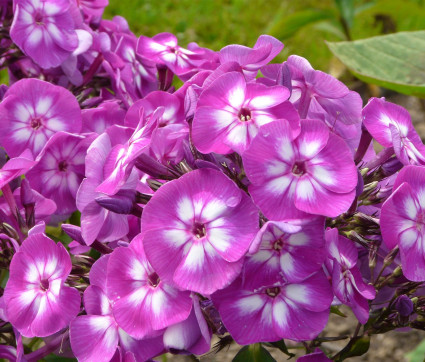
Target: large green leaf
x,y
253,353
395,61
417,355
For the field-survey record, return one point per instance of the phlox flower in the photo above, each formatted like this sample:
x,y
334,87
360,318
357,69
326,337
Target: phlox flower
x,y
266,313
230,112
100,327
103,116
163,49
44,30
38,303
347,281
32,111
313,172
16,166
252,59
97,222
60,170
197,230
403,221
143,303
391,125
292,251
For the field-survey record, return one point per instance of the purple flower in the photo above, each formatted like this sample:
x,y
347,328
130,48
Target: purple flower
x,y
197,229
16,167
99,326
268,313
391,125
163,49
293,251
44,30
264,50
100,118
347,282
97,222
60,170
403,221
37,301
32,111
311,173
316,356
143,304
230,112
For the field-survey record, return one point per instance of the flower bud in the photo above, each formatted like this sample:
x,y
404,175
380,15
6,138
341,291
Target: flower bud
x,y
404,305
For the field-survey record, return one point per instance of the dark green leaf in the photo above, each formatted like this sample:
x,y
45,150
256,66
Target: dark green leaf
x,y
335,310
289,25
253,353
282,346
357,347
346,10
395,61
417,355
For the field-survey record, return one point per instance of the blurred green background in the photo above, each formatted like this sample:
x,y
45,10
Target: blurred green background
x,y
302,25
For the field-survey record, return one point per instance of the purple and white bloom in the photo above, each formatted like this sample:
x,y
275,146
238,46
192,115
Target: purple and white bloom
x,y
60,170
403,221
142,303
145,108
347,281
197,230
318,95
191,335
99,325
391,125
92,9
16,166
38,303
120,161
267,313
44,30
252,59
97,222
32,111
230,112
313,90
292,251
100,118
291,176
163,49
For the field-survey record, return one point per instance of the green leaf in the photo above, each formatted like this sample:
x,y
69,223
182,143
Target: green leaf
x,y
357,347
287,26
395,61
346,9
335,310
417,355
253,353
282,346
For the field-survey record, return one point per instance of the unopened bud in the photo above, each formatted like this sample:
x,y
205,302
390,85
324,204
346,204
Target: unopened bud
x,y
74,232
404,305
388,260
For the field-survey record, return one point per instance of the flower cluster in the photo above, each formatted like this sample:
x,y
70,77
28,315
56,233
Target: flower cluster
x,y
138,219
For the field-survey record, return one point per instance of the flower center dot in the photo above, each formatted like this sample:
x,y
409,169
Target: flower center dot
x,y
44,284
245,115
36,123
38,18
278,244
63,166
199,230
273,292
153,280
299,168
